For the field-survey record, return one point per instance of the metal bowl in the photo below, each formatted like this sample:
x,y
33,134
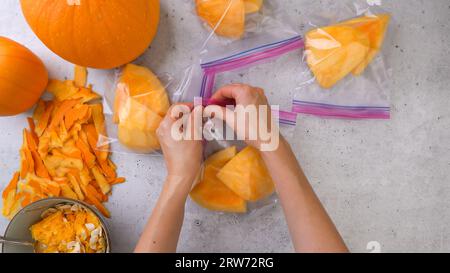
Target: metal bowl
x,y
19,227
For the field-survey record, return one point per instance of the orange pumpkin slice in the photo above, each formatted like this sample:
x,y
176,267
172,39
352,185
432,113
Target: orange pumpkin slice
x,y
335,51
376,28
252,6
226,17
9,195
137,127
80,76
247,176
142,85
211,193
140,105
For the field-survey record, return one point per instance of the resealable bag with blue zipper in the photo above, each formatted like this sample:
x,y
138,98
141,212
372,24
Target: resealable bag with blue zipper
x,y
345,73
264,52
136,102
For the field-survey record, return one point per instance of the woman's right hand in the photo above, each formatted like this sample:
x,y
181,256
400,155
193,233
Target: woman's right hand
x,y
243,94
246,95
183,157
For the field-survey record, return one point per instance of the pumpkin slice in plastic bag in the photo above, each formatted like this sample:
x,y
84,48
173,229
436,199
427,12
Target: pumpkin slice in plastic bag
x,y
211,193
247,175
376,28
137,127
333,52
252,6
140,104
226,17
143,86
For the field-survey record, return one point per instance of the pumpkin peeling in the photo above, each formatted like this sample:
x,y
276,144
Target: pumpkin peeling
x,y
60,154
80,76
69,229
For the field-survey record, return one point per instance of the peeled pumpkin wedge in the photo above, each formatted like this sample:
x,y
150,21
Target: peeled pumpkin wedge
x,y
139,116
247,175
142,85
137,140
220,158
252,6
140,105
333,52
211,193
376,28
226,17
137,127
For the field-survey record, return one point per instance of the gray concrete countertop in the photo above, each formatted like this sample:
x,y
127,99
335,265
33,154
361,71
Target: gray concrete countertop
x,y
382,181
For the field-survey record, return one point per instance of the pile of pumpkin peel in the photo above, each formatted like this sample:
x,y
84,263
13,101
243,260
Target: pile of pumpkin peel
x,y
60,156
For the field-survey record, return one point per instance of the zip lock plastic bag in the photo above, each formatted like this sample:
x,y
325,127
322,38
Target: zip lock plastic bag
x,y
136,104
268,57
234,177
228,20
345,75
252,65
234,180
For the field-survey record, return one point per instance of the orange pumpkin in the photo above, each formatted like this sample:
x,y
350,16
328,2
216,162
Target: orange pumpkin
x,y
94,33
24,78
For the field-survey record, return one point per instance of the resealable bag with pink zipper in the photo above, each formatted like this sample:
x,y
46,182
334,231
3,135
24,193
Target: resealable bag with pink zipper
x,y
345,73
267,54
234,177
136,102
228,20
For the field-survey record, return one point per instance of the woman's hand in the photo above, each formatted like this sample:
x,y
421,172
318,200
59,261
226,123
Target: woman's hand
x,y
183,157
311,228
243,94
246,96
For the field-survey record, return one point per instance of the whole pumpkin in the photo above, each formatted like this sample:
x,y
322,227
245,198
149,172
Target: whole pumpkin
x,y
23,78
94,33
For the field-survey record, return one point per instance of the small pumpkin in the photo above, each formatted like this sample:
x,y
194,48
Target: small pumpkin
x,y
94,33
24,78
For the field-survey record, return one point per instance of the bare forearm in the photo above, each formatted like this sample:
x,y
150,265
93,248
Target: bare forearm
x,y
311,228
162,231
